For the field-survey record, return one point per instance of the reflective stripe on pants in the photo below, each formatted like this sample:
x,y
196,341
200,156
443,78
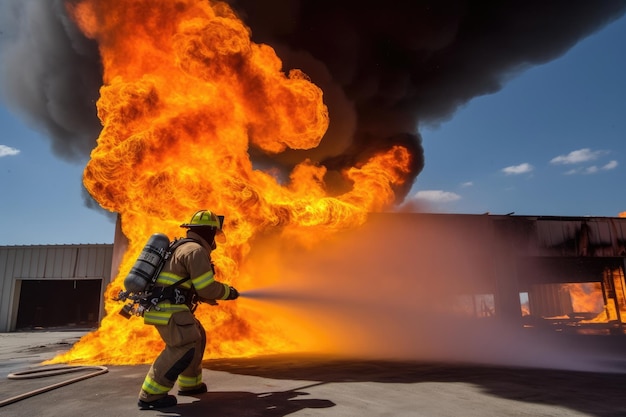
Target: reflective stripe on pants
x,y
181,359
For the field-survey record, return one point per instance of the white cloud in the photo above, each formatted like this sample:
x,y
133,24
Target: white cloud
x,y
436,196
578,156
518,169
593,169
610,165
467,184
8,151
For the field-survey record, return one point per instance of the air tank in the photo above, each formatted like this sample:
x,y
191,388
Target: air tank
x,y
147,264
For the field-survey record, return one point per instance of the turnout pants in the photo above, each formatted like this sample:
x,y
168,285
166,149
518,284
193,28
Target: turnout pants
x,y
180,361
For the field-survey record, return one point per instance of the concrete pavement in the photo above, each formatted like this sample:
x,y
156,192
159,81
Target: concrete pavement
x,y
310,385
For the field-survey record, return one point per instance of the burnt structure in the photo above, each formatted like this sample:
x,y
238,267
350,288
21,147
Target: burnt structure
x,y
570,269
564,273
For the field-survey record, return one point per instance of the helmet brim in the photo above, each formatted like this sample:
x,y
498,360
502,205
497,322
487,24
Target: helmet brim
x,y
198,226
220,219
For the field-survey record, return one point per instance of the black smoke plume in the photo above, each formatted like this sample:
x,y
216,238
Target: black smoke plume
x,y
385,67
50,74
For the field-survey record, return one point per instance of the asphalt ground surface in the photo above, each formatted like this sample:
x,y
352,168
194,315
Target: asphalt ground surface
x,y
309,385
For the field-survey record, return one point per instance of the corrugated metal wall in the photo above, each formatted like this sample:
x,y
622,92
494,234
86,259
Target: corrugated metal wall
x,y
54,262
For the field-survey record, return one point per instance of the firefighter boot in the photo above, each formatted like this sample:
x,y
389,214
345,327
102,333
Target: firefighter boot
x,y
163,402
199,389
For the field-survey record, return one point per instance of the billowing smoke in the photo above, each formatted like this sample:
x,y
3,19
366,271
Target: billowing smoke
x,y
50,74
384,67
387,67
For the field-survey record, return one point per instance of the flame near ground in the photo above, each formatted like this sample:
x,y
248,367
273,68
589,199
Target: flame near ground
x,y
186,94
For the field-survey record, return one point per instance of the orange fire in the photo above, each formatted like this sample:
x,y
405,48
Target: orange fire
x,y
622,214
186,93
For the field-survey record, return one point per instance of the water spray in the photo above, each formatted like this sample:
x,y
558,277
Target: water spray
x,y
275,294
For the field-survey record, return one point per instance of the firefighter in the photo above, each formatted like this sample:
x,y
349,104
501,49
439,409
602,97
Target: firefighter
x,y
183,334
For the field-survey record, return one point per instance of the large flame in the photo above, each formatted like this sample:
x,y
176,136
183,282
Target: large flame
x,y
185,94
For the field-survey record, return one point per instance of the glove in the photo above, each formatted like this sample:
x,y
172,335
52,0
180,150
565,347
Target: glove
x,y
233,295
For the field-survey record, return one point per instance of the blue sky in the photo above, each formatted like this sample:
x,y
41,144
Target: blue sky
x,y
551,142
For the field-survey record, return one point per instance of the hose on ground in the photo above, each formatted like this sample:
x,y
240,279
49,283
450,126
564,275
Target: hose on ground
x,y
46,371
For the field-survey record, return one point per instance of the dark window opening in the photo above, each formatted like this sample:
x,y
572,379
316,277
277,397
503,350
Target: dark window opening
x,y
475,305
58,303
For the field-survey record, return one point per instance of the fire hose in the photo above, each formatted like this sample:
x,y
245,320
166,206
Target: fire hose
x,y
46,371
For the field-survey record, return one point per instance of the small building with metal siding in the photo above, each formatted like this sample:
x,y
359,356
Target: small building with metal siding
x,y
53,285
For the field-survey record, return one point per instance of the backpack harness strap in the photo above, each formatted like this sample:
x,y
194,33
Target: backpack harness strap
x,y
172,293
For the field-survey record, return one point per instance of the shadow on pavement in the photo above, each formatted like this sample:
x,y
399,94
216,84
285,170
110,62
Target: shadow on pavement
x,y
232,403
595,394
